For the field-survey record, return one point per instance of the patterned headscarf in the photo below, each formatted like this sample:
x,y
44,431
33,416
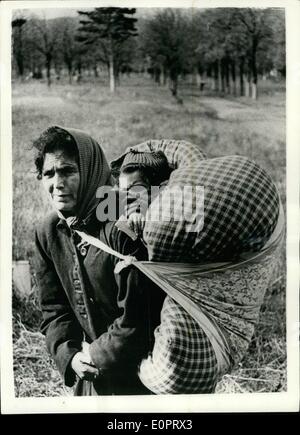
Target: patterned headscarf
x,y
94,172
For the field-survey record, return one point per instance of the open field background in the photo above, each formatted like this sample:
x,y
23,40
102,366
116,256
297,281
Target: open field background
x,y
138,111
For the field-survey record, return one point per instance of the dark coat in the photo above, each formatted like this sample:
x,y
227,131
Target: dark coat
x,y
82,299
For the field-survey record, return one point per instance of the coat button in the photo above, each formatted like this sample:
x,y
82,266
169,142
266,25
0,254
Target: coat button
x,y
79,299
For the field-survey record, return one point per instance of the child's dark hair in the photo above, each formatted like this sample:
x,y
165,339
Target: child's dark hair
x,y
51,140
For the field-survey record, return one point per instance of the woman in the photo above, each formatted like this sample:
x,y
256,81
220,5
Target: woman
x,y
98,325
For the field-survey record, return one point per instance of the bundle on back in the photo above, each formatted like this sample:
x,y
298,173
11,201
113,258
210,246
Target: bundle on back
x,y
234,212
213,216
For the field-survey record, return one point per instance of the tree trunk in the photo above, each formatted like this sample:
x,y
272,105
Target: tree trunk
x,y
162,76
117,76
198,80
19,54
242,87
254,71
215,78
20,63
165,77
219,75
247,85
112,85
39,72
254,90
227,77
57,72
157,75
95,70
174,86
48,69
70,73
79,72
223,75
32,67
173,83
233,78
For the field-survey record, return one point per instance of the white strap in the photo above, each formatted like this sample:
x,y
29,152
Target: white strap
x,y
101,245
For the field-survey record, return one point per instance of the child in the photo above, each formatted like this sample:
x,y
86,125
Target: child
x,y
141,170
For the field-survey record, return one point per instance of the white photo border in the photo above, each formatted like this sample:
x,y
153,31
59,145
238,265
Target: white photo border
x,y
252,402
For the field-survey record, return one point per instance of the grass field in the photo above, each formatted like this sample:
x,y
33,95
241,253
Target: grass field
x,y
141,110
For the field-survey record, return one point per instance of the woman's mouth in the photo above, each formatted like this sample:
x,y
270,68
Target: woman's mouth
x,y
62,197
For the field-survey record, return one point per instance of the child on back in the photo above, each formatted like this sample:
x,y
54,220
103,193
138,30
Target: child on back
x,y
141,170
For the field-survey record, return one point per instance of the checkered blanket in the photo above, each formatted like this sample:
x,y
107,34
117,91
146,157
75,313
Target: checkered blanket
x,y
240,210
179,153
207,321
183,360
213,305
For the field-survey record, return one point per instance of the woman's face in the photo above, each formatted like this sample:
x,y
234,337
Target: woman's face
x,y
61,180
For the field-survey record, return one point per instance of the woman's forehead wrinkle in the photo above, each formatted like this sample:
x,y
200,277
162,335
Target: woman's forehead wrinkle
x,y
59,160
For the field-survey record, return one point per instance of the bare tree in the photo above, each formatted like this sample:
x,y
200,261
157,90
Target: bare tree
x,y
44,37
257,28
236,41
18,43
69,48
166,41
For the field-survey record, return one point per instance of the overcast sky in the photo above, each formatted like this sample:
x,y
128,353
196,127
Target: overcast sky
x,y
70,12
51,13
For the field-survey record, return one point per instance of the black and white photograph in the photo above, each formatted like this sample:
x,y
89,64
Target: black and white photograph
x,y
149,206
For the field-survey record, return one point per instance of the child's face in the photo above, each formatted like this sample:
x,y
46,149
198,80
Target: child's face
x,y
126,181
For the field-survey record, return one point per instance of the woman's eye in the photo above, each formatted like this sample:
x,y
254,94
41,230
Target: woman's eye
x,y
68,171
48,174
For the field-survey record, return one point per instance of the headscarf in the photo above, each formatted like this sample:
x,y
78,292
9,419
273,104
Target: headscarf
x,y
94,172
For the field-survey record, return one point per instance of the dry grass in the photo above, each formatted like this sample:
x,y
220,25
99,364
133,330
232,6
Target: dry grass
x,y
264,367
35,373
138,111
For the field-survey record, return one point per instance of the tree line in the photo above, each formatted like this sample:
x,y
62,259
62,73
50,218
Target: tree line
x,y
225,49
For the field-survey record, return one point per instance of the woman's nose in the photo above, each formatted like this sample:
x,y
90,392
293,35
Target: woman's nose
x,y
58,181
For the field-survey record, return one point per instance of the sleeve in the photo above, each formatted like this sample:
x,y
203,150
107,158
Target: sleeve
x,y
59,325
129,337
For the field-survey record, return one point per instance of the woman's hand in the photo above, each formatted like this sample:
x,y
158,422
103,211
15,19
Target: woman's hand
x,y
83,365
136,222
